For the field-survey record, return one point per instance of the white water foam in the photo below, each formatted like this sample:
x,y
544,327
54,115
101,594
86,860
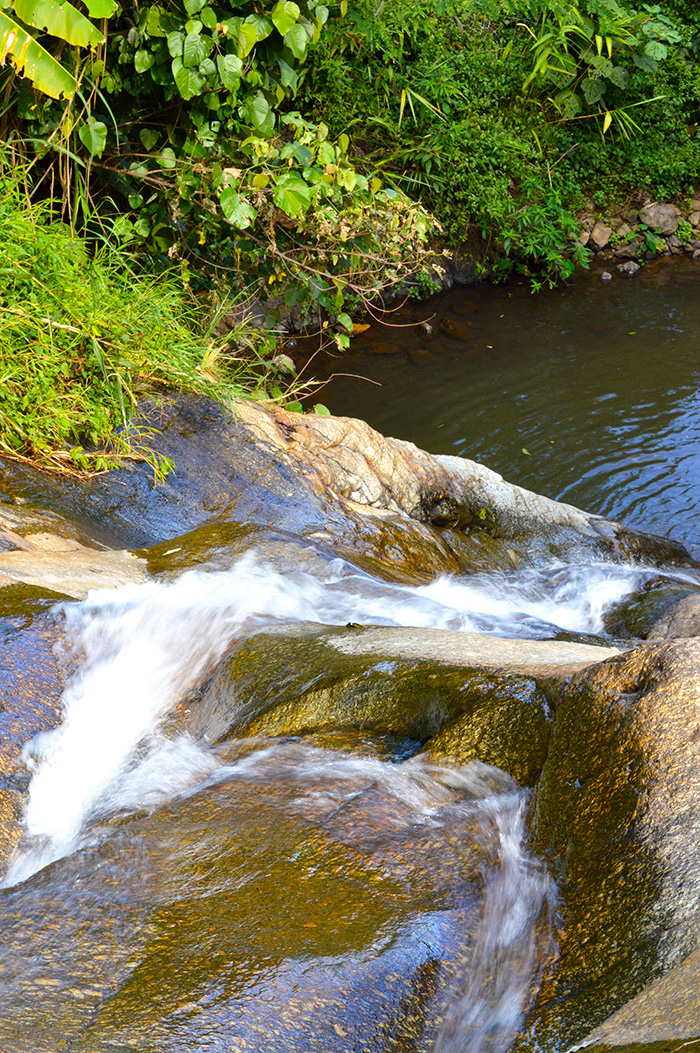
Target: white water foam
x,y
148,646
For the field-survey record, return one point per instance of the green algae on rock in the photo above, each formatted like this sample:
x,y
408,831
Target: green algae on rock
x,y
617,810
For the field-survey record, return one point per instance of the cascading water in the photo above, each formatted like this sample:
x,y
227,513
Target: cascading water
x,y
144,648
147,646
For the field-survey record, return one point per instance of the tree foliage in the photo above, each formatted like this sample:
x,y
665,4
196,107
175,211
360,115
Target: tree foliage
x,y
182,127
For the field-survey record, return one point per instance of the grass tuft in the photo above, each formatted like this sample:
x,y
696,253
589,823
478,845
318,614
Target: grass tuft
x,y
83,335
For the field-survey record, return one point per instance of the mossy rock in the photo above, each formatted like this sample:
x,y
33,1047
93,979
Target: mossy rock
x,y
217,546
638,615
310,680
617,812
508,727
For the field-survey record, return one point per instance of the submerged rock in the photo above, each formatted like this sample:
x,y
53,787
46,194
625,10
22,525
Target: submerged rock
x,y
305,903
617,810
32,677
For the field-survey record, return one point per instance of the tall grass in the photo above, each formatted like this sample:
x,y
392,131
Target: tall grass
x,y
82,335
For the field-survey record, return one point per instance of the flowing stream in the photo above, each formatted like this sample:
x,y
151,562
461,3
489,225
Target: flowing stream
x,y
143,647
280,865
587,394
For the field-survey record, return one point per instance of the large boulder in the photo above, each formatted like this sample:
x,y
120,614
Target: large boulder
x,y
462,696
678,620
332,479
617,812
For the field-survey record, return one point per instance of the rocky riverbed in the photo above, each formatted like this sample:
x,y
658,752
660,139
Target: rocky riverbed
x,y
270,731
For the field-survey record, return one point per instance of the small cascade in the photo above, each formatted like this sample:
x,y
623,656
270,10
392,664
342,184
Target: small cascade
x,y
513,940
146,647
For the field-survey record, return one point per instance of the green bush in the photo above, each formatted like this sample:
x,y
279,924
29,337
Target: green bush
x,y
503,116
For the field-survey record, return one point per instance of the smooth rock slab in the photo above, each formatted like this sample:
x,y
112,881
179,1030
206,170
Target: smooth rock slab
x,y
32,678
74,572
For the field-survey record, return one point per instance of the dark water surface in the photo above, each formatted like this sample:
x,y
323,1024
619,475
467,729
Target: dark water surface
x,y
598,382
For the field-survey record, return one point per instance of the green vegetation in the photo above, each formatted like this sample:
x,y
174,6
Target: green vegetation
x,y
82,336
183,131
305,155
503,116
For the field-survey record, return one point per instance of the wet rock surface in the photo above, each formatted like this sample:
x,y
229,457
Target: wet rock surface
x,y
326,477
617,811
268,912
259,913
662,1018
73,572
32,677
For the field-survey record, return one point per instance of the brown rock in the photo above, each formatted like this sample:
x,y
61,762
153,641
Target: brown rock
x,y
276,911
617,810
600,237
630,251
508,727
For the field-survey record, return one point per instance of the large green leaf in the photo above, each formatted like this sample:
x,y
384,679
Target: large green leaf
x,y
230,68
247,39
93,136
262,26
237,210
143,60
284,15
190,82
60,20
292,194
100,8
33,61
297,40
195,49
256,110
